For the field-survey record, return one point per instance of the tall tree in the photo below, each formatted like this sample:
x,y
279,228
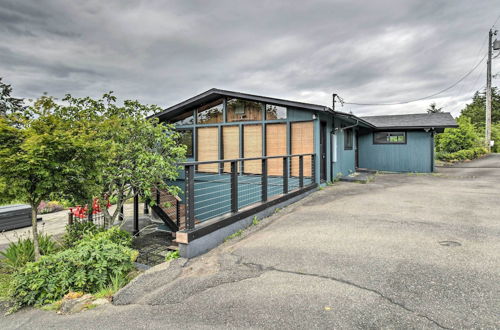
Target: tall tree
x,y
41,154
7,102
433,108
139,152
476,109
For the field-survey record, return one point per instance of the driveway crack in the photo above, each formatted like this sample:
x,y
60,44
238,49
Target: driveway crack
x,y
347,282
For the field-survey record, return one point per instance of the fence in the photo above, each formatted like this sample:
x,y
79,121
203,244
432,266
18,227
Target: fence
x,y
226,187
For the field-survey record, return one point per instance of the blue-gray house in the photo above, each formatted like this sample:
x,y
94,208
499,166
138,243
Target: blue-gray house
x,y
247,152
220,124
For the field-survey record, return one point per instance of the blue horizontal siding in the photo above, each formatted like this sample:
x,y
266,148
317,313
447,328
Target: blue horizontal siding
x,y
414,156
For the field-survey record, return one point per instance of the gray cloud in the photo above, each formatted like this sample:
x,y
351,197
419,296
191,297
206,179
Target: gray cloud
x,y
165,51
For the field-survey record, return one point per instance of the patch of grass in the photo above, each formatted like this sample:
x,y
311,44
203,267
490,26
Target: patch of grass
x,y
320,188
55,306
171,255
277,210
91,306
106,293
238,233
255,221
5,280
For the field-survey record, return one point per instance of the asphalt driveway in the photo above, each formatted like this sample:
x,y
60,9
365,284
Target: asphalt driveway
x,y
404,251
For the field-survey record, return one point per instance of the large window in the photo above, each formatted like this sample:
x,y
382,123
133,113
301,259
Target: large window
x,y
242,110
186,118
274,112
186,138
210,113
389,137
348,139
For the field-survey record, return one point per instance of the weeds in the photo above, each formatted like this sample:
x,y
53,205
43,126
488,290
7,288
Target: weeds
x,y
171,255
238,233
255,221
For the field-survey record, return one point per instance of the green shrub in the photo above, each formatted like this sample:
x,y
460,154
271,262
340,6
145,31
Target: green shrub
x,y
95,263
117,236
461,155
21,252
76,231
456,139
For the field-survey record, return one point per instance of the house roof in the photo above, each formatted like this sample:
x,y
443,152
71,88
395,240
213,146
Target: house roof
x,y
437,120
418,120
214,93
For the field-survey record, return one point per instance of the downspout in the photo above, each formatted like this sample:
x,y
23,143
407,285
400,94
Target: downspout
x,y
347,127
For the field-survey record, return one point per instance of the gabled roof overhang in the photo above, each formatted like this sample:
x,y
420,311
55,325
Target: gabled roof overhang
x,y
214,94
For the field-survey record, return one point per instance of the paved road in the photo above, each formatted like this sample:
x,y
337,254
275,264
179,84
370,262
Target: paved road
x,y
405,251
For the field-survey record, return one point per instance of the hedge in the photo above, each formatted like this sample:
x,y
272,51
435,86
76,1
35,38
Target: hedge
x,y
466,154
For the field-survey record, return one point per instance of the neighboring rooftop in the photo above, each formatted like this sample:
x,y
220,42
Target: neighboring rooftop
x,y
418,120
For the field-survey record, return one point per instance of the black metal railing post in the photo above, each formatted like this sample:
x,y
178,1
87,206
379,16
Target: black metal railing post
x,y
157,196
136,214
178,212
122,214
313,167
301,171
189,193
264,180
234,186
285,175
146,206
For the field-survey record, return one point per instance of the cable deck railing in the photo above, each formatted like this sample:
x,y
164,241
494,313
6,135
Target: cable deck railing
x,y
226,187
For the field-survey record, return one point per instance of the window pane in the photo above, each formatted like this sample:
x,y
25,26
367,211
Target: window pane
x,y
186,138
186,118
389,137
274,112
210,113
241,110
348,138
380,137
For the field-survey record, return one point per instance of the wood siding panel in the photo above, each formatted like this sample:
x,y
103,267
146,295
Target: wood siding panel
x,y
302,143
252,147
230,144
208,148
275,146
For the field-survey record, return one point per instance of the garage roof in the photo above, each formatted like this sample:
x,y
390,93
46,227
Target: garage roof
x,y
418,120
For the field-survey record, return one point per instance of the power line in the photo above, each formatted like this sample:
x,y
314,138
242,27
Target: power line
x,y
425,97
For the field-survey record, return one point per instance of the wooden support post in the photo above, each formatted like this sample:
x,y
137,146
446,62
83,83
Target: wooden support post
x,y
70,218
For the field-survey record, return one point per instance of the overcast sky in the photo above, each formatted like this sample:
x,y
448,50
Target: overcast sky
x,y
163,52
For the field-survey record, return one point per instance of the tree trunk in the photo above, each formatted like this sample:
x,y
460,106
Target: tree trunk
x,y
35,231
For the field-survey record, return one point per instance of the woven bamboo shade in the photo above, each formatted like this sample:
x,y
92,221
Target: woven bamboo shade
x,y
275,146
208,148
252,147
231,144
302,143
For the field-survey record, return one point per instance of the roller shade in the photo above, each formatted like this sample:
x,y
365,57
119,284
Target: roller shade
x,y
208,148
252,147
230,144
275,146
302,143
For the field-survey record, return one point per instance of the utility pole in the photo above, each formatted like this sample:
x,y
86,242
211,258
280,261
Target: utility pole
x,y
488,93
333,101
